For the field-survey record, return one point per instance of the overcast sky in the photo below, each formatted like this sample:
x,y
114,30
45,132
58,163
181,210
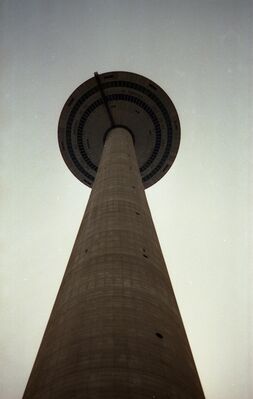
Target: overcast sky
x,y
200,52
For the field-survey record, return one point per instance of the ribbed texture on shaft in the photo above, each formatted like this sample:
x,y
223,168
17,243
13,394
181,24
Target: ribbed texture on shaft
x,y
115,331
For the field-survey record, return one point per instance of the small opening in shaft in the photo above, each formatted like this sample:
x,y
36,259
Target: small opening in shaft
x,y
159,335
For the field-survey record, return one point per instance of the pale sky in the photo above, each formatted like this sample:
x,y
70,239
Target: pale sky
x,y
200,52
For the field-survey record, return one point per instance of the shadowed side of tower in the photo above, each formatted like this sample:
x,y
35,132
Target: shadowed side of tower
x,y
115,329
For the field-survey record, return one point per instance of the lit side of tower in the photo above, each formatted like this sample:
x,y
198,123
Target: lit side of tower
x,y
115,330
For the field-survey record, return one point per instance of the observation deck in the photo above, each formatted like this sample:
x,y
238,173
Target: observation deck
x,y
119,99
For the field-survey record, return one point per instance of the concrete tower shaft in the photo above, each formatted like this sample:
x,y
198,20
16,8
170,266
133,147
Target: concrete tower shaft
x,y
115,330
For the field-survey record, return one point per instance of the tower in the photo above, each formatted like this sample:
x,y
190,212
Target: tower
x,y
115,330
